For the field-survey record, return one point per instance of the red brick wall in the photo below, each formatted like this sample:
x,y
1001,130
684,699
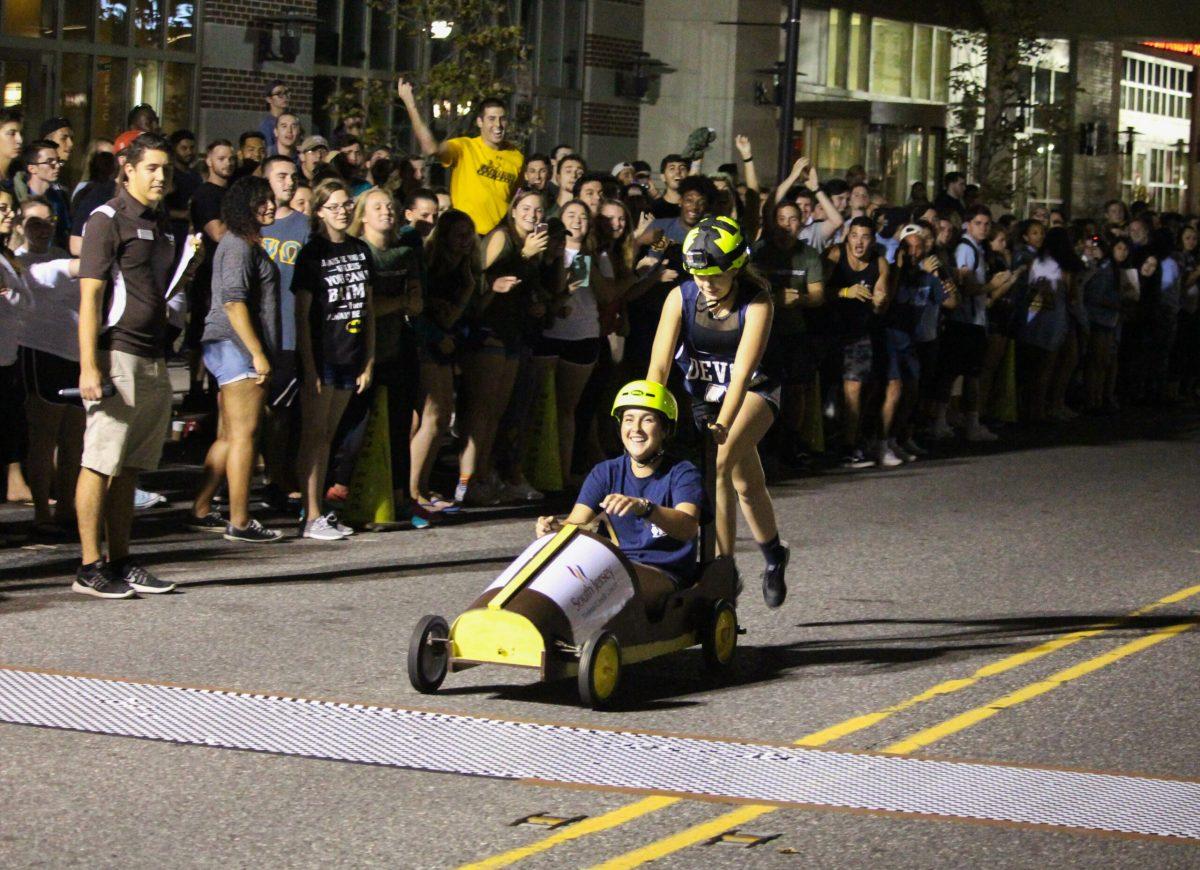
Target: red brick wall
x,y
243,90
609,51
605,119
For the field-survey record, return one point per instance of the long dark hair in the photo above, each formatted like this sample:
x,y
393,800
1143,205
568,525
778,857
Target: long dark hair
x,y
1059,247
239,208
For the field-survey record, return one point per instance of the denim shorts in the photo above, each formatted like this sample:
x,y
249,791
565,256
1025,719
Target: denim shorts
x,y
340,376
858,359
227,362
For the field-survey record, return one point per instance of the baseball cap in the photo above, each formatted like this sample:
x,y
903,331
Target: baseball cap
x,y
313,142
621,167
908,230
125,140
50,125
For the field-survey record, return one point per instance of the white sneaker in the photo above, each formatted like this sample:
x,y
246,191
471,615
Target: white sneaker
x,y
332,519
905,455
941,430
522,491
144,499
885,458
320,530
981,434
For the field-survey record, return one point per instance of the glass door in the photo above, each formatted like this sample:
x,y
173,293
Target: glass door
x,y
25,77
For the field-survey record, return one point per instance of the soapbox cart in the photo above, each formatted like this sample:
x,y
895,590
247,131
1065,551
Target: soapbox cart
x,y
569,607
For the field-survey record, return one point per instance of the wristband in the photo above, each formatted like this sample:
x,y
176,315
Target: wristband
x,y
749,159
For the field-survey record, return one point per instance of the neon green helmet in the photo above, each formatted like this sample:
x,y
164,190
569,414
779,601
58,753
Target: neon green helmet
x,y
715,245
648,396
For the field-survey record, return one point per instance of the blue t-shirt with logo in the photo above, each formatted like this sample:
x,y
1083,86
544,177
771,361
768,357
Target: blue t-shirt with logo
x,y
674,482
283,241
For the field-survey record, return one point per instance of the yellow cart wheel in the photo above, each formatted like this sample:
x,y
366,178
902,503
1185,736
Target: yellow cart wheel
x,y
429,654
720,636
599,670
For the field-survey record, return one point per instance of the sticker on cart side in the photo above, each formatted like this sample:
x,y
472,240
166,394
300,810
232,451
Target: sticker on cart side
x,y
585,579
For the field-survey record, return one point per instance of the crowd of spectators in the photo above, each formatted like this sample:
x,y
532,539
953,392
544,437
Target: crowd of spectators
x,y
322,271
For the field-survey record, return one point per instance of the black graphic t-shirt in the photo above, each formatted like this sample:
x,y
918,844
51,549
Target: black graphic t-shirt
x,y
337,275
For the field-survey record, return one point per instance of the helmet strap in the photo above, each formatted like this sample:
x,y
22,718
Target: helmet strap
x,y
651,461
708,306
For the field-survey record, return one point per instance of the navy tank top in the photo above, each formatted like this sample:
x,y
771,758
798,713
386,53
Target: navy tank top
x,y
708,347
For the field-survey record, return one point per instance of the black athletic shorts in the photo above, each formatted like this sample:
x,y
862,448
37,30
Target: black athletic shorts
x,y
963,348
45,374
580,352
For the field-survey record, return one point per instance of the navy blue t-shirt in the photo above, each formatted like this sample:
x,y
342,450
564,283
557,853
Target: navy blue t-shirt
x,y
673,483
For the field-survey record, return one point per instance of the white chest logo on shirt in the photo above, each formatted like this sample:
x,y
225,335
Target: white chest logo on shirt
x,y
656,532
145,235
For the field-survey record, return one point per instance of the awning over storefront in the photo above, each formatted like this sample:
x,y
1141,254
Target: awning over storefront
x,y
875,112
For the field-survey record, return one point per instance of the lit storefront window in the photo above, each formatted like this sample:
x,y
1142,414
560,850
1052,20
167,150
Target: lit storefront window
x,y
98,61
1156,101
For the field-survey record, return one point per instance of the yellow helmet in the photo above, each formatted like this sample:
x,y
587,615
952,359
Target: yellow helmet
x,y
715,245
649,396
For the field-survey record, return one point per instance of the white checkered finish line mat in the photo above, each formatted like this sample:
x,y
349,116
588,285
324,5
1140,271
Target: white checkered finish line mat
x,y
581,756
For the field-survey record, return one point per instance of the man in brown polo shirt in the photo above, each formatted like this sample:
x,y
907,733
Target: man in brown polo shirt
x,y
124,272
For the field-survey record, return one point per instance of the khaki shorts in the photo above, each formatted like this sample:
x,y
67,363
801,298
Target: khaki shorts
x,y
126,430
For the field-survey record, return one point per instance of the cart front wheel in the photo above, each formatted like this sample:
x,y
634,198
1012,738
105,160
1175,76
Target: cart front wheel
x,y
720,636
599,670
428,654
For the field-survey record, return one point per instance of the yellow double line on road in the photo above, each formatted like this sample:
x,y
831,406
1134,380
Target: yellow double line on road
x,y
743,815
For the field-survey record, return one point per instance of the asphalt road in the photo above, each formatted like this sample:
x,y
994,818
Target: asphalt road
x,y
900,581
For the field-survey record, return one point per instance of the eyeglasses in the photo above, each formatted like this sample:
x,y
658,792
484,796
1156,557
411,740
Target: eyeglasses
x,y
282,92
54,161
41,220
6,209
345,206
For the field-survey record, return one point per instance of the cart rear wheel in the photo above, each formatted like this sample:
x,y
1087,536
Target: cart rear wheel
x,y
428,654
720,636
599,670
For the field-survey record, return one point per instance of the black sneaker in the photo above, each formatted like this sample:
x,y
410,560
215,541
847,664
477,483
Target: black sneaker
x,y
774,589
210,522
141,579
254,533
98,579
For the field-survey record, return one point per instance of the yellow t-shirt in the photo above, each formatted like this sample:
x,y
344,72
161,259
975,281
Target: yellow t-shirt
x,y
483,180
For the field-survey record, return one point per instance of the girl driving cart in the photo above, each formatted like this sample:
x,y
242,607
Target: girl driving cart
x,y
654,504
716,326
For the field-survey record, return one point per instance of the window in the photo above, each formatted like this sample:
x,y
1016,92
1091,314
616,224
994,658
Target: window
x,y
144,84
355,54
941,66
891,58
1157,87
181,25
31,18
856,72
77,21
922,81
147,23
327,36
382,31
108,96
353,14
112,22
176,111
835,75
